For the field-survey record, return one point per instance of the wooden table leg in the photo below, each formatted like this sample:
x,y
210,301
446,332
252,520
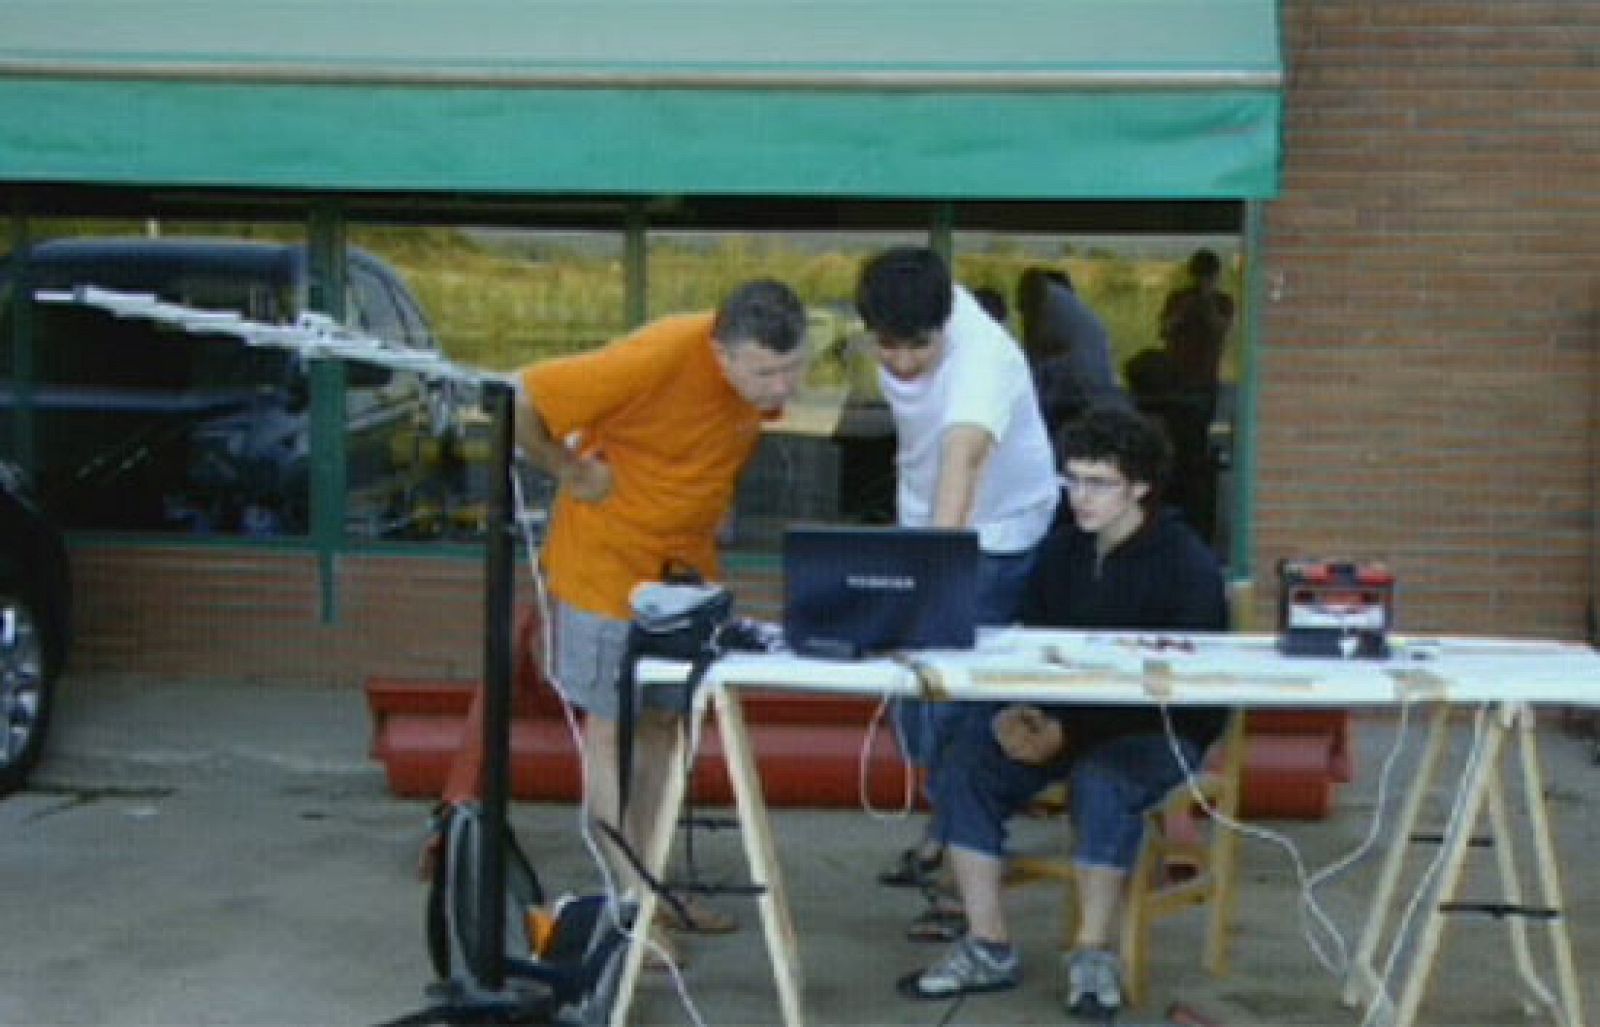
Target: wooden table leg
x,y
1481,770
755,827
656,852
1482,786
1361,980
1504,842
1549,872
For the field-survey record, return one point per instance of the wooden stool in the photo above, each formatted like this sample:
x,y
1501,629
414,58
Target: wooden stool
x,y
1151,894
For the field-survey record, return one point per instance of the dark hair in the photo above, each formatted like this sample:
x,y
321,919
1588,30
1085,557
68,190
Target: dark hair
x,y
991,301
1032,284
1059,277
903,293
762,311
1204,264
1129,441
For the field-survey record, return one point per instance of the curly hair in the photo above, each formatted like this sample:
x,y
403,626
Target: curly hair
x,y
1127,440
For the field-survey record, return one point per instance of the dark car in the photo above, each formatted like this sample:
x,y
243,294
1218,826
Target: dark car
x,y
35,625
140,423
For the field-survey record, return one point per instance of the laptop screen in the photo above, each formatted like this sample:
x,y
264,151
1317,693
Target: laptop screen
x,y
855,591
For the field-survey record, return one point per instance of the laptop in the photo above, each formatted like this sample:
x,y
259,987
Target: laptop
x,y
854,591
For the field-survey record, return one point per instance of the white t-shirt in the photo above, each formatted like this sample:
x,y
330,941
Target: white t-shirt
x,y
982,380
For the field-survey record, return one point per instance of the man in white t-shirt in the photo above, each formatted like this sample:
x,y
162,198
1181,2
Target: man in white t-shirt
x,y
971,452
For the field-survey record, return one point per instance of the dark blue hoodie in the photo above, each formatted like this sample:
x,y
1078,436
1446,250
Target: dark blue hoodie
x,y
1162,578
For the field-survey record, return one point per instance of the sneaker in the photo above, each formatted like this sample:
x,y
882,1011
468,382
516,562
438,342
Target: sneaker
x,y
969,967
1091,983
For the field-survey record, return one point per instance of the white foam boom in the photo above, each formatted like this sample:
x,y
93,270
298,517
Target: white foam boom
x,y
313,335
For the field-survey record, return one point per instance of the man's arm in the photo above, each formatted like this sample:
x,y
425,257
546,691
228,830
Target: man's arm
x,y
586,476
965,453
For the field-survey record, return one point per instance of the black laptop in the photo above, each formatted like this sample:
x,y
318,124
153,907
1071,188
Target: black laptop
x,y
854,591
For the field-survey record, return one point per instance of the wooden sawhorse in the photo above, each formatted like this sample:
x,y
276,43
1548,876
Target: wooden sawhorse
x,y
1481,784
755,829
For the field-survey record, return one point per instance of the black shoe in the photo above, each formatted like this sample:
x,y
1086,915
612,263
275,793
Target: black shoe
x,y
912,869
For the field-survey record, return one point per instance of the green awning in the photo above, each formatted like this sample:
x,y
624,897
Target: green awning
x,y
1005,99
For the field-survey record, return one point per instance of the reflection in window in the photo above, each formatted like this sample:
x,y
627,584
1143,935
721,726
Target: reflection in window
x,y
496,299
142,426
1125,283
136,426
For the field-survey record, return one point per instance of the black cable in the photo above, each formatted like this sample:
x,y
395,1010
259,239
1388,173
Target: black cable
x,y
950,1013
662,891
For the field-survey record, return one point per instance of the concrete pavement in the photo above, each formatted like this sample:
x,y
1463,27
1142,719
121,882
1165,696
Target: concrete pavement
x,y
222,854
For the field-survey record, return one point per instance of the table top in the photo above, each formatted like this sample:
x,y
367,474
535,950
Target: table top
x,y
1048,665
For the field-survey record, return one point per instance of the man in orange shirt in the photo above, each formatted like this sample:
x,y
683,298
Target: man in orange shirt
x,y
646,439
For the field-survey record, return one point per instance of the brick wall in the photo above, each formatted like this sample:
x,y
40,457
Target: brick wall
x,y
255,615
1432,277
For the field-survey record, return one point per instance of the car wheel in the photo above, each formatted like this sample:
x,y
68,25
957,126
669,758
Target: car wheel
x,y
27,684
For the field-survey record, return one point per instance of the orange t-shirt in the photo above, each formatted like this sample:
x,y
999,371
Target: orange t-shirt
x,y
655,406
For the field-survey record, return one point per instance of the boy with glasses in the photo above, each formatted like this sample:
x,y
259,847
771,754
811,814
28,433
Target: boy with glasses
x,y
1120,563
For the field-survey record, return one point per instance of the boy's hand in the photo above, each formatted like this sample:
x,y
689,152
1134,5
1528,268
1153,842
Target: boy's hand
x,y
1027,735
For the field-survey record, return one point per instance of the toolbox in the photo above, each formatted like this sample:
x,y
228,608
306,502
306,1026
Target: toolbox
x,y
1335,608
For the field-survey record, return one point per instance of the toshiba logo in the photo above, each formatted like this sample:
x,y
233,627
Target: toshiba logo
x,y
881,582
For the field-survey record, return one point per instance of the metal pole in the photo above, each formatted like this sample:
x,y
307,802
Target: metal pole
x,y
1247,403
20,343
325,252
496,695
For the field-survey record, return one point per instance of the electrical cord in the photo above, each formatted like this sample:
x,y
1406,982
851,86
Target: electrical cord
x,y
1385,1002
638,933
869,744
1311,911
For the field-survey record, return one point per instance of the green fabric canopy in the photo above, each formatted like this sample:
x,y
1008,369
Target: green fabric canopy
x,y
1004,99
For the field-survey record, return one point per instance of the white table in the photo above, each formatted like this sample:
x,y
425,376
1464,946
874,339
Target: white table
x,y
1508,676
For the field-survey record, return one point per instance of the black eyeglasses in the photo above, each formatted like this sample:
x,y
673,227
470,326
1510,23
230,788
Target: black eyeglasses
x,y
1092,484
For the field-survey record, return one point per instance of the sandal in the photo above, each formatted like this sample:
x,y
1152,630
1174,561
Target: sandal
x,y
691,916
912,869
938,923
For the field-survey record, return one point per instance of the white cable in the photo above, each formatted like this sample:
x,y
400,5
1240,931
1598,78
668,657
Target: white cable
x,y
639,932
1311,912
1332,870
1344,863
1475,756
908,771
1308,895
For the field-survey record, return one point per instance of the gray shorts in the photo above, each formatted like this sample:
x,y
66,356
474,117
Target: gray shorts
x,y
588,659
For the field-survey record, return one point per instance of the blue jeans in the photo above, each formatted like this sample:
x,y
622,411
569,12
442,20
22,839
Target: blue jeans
x,y
923,727
977,788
